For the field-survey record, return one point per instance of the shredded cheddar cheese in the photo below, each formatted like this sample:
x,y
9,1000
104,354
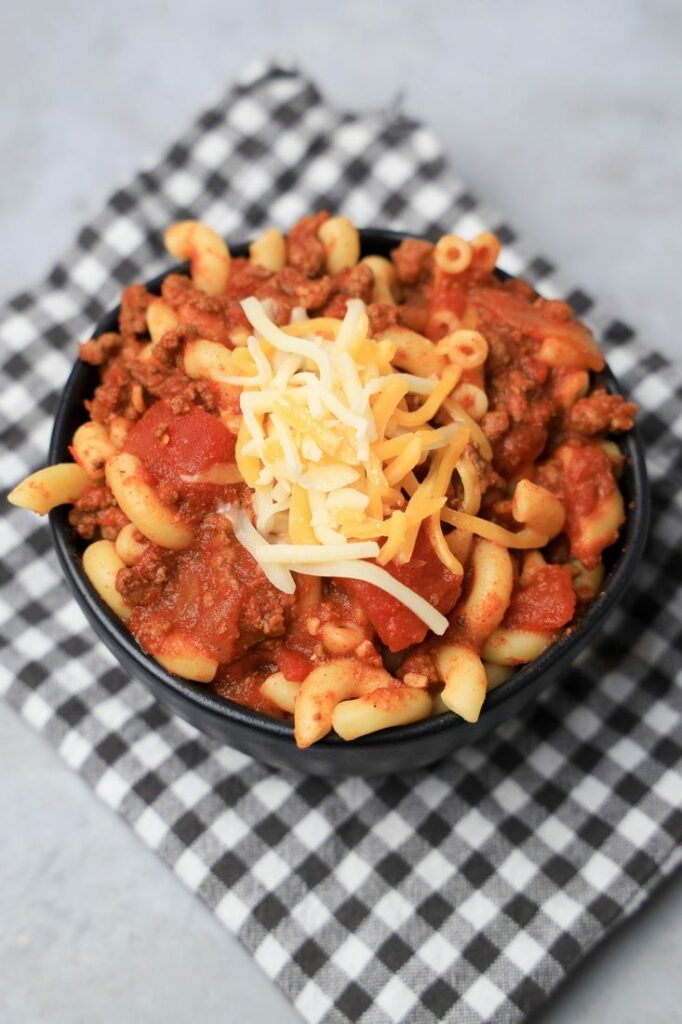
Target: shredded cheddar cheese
x,y
331,436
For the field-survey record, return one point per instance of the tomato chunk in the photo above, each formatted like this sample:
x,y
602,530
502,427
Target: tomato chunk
x,y
173,447
588,480
293,664
548,602
395,624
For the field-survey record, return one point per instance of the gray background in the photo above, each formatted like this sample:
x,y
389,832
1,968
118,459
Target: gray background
x,y
566,117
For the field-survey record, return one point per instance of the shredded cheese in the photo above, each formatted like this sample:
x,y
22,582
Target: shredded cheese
x,y
330,439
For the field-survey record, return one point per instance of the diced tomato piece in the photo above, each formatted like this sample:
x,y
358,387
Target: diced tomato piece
x,y
175,446
292,664
395,624
547,602
588,479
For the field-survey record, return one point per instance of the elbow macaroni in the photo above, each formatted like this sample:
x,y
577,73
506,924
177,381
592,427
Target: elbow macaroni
x,y
467,349
184,658
516,646
269,250
413,352
538,509
341,242
458,663
44,490
384,288
328,685
384,708
138,499
485,249
101,564
160,319
462,672
484,607
208,255
91,447
452,254
281,691
130,545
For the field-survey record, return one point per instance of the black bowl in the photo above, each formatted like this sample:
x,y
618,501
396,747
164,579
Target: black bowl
x,y
270,740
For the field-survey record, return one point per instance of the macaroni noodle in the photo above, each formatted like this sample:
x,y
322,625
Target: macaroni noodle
x,y
138,499
208,255
101,564
56,485
341,243
269,251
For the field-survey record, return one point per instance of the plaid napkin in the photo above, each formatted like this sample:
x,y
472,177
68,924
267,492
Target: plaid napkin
x,y
464,892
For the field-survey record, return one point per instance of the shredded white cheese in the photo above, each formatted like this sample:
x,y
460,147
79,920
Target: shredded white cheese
x,y
308,429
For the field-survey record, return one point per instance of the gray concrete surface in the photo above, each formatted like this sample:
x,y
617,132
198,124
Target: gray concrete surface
x,y
566,116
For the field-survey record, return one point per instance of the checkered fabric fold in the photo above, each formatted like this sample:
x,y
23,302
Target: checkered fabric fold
x,y
464,892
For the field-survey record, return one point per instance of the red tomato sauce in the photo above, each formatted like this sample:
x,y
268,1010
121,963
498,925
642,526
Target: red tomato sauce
x,y
294,664
241,682
175,447
215,592
547,602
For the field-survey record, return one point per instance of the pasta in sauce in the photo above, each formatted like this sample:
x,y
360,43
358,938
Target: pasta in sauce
x,y
355,492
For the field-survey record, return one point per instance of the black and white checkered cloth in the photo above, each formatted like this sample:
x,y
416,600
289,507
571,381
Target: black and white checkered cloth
x,y
465,892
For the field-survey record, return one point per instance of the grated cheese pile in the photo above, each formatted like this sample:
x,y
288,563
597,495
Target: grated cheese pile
x,y
329,446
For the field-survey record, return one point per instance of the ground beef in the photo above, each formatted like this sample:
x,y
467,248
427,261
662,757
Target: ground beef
x,y
247,278
357,282
94,498
381,317
336,307
523,444
134,303
601,411
412,260
214,591
176,288
518,421
97,512
144,583
262,612
280,309
304,291
127,389
305,251
495,424
97,351
420,661
113,396
215,317
520,412
168,350
167,385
